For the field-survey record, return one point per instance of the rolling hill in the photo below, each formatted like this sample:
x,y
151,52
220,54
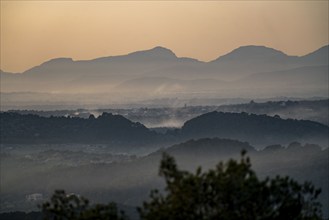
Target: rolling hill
x,y
256,129
118,132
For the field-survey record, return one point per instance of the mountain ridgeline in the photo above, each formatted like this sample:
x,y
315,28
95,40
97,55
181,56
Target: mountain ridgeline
x,y
116,130
158,72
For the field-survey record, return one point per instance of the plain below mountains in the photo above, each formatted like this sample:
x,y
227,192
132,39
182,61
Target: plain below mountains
x,y
119,132
159,72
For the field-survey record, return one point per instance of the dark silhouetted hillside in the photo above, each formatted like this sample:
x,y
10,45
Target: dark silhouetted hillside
x,y
117,130
256,129
107,128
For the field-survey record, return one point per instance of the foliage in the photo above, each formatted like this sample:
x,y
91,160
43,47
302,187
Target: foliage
x,y
230,191
73,207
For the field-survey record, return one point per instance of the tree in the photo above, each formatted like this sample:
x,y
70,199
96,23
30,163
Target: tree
x,y
230,191
73,207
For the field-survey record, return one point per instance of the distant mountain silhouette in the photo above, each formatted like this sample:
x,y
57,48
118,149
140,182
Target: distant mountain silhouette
x,y
108,74
262,53
307,76
2,72
157,53
319,56
249,53
248,60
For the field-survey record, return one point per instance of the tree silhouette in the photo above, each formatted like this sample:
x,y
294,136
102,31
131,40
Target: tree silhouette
x,y
230,191
73,207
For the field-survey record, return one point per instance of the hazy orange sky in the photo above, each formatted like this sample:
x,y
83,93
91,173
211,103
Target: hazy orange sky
x,y
35,31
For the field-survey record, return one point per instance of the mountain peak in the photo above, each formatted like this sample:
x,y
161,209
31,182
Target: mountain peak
x,y
160,48
252,52
59,60
156,52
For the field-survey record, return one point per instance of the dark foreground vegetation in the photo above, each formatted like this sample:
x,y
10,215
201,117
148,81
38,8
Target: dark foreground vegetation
x,y
229,191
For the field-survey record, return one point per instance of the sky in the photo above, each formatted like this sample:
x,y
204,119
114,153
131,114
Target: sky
x,y
33,32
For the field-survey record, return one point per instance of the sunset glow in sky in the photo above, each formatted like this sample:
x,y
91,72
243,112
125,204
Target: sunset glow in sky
x,y
35,31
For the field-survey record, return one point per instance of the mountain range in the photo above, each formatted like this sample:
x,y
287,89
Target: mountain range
x,y
159,71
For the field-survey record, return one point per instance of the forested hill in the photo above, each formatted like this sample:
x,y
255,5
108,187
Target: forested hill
x,y
16,128
116,130
256,129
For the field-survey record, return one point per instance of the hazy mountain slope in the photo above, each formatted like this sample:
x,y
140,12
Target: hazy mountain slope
x,y
166,85
318,57
253,59
246,60
5,73
12,82
104,74
303,76
77,75
303,81
307,80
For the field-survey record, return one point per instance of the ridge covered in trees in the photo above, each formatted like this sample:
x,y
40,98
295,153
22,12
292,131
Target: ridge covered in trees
x,y
16,128
116,129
